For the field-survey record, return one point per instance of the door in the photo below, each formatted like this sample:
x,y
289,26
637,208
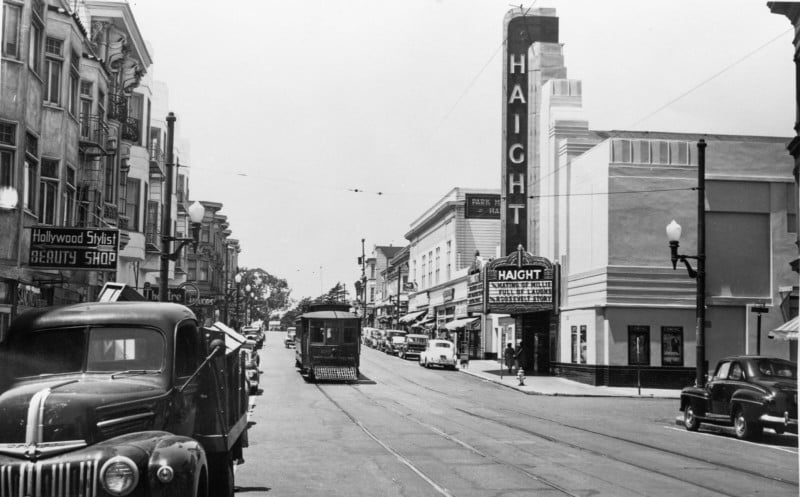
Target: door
x,y
718,389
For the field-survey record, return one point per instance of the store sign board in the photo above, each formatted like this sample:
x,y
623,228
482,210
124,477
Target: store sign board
x,y
74,248
482,206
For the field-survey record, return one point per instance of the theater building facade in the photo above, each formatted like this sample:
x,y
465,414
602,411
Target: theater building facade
x,y
593,206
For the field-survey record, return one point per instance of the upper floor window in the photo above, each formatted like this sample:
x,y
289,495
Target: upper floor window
x,y
52,70
11,26
70,197
7,153
35,47
48,191
31,171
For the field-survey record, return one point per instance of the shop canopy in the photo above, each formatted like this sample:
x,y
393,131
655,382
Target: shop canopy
x,y
412,316
787,331
459,323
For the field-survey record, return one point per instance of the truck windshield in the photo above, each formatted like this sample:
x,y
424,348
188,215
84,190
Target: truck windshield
x,y
59,351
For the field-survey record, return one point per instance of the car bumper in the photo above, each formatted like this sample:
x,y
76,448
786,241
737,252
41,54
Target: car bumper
x,y
788,423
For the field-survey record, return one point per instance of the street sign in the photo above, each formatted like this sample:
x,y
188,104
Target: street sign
x,y
74,248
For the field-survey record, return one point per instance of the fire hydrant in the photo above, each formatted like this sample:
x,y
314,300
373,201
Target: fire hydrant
x,y
521,377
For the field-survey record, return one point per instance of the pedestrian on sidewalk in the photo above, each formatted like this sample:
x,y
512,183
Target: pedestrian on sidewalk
x,y
508,356
518,355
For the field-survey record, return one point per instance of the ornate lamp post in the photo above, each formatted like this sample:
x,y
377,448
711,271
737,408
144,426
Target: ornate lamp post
x,y
238,280
674,235
248,297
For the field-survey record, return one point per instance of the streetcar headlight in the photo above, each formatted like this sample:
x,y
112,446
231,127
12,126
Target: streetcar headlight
x,y
119,476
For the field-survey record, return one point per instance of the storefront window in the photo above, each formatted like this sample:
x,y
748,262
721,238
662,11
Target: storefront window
x,y
672,346
574,337
638,345
583,344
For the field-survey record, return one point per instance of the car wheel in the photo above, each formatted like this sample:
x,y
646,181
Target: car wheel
x,y
745,430
690,421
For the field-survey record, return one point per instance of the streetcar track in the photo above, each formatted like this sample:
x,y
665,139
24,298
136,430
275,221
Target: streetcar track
x,y
610,456
441,434
613,437
592,451
645,445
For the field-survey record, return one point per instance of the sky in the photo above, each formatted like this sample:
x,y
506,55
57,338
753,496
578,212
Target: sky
x,y
321,123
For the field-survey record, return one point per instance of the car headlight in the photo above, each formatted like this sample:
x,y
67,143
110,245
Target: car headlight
x,y
119,475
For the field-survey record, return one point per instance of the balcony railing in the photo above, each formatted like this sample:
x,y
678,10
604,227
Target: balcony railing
x,y
94,130
117,107
157,160
152,238
110,212
130,129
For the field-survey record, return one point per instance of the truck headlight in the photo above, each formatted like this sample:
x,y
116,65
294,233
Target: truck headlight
x,y
119,476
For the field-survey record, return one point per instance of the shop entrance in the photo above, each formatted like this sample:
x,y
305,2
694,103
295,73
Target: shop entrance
x,y
536,341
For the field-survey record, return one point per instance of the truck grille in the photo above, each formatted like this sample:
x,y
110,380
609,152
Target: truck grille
x,y
71,479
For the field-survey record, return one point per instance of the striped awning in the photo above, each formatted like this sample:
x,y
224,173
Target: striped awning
x,y
412,316
787,331
459,323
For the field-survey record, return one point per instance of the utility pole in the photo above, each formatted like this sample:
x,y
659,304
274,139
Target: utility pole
x,y
399,283
166,225
701,263
363,284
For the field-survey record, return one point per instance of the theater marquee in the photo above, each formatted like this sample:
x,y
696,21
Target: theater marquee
x,y
520,283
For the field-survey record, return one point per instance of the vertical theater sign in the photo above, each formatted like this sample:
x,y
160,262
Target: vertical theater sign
x,y
521,31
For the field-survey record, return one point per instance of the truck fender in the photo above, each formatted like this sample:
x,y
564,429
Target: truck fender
x,y
188,461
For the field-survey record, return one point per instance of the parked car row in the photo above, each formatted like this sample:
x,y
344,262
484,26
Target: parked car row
x,y
255,341
429,352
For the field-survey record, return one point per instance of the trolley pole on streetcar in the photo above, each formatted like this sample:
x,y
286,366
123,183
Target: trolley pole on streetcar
x,y
363,285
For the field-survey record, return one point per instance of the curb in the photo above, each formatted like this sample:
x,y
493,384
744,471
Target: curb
x,y
561,394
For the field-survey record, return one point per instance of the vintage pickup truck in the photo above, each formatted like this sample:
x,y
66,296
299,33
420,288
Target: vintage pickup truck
x,y
121,398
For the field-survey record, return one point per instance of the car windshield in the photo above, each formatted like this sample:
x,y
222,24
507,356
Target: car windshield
x,y
73,350
443,345
777,368
417,339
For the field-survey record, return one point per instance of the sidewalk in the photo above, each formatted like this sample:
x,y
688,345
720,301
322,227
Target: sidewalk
x,y
553,385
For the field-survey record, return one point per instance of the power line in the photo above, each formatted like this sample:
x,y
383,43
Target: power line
x,y
622,192
684,94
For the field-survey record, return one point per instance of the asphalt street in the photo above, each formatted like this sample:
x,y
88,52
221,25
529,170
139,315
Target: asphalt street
x,y
403,430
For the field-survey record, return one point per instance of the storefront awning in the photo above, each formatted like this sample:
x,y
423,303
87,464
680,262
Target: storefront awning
x,y
412,316
787,331
459,323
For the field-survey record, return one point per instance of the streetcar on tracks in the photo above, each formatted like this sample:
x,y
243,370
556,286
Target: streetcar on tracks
x,y
328,345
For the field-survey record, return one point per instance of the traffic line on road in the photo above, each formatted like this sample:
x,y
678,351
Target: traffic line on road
x,y
782,449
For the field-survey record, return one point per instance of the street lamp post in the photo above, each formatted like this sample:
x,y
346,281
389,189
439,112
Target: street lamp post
x,y
238,280
196,213
674,235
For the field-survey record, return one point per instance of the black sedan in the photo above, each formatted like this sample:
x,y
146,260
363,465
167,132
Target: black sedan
x,y
747,392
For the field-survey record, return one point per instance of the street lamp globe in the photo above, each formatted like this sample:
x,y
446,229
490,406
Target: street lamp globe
x,y
196,212
9,198
247,287
238,278
673,231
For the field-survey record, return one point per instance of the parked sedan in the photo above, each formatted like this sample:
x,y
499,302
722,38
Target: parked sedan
x,y
414,346
255,334
439,353
747,392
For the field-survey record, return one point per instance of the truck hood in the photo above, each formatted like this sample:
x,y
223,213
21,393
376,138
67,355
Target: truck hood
x,y
79,408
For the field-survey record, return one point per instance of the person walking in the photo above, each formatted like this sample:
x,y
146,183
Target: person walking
x,y
518,359
508,356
